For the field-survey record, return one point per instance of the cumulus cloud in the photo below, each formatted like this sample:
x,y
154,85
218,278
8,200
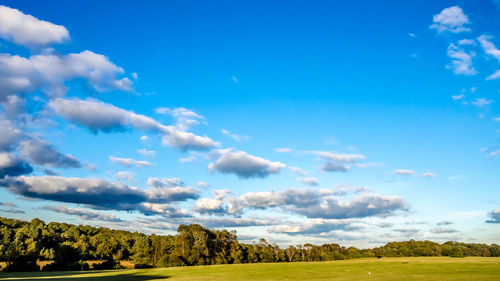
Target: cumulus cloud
x,y
234,136
10,135
43,153
466,42
168,194
212,206
12,166
128,162
244,165
145,152
208,206
165,182
311,181
297,170
404,172
334,167
461,62
451,19
169,189
314,226
84,214
203,184
318,204
488,46
429,175
490,49
458,97
365,205
481,102
89,191
101,194
185,118
126,175
442,230
22,29
495,216
338,157
234,222
336,162
20,75
100,116
163,209
345,189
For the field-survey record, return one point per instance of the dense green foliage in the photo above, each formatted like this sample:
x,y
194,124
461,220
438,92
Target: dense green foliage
x,y
22,244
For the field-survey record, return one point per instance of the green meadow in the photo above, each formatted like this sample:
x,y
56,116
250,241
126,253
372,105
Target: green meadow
x,y
419,268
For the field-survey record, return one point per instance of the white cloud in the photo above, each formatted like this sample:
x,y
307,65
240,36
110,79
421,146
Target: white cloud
x,y
461,62
128,162
314,226
89,191
244,165
207,206
84,214
442,230
337,157
10,135
203,184
318,204
495,216
334,167
494,75
164,191
165,182
481,102
490,49
466,42
336,162
126,175
404,172
44,153
185,118
12,165
19,75
311,181
100,116
234,136
429,175
345,189
297,171
451,19
458,97
488,46
495,153
22,29
412,35
145,152
283,150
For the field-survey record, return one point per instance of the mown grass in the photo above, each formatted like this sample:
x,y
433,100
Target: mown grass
x,y
435,268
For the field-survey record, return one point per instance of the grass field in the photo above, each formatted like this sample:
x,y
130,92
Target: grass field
x,y
436,268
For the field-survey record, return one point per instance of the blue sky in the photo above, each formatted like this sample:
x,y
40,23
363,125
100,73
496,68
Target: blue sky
x,y
356,123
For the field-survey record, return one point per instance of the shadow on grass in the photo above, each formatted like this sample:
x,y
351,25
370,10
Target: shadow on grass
x,y
83,276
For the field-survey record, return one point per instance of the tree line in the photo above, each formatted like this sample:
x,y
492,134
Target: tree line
x,y
24,244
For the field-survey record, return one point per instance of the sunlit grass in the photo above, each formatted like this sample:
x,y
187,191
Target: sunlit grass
x,y
421,268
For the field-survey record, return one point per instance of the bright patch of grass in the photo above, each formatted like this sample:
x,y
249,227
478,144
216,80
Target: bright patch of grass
x,y
434,268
